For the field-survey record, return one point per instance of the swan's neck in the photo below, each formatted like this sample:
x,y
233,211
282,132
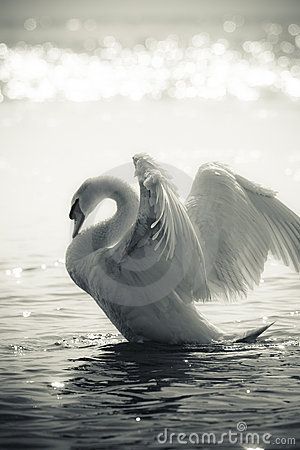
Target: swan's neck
x,y
110,231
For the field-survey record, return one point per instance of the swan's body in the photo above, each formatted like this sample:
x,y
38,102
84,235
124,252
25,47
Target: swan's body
x,y
147,265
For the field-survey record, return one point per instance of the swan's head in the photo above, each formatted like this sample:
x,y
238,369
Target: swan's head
x,y
84,201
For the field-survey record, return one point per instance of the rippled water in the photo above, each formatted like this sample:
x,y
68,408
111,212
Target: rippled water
x,y
69,379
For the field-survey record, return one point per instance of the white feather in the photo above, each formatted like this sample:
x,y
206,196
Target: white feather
x,y
239,222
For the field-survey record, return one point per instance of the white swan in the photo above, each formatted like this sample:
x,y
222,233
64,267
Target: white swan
x,y
147,265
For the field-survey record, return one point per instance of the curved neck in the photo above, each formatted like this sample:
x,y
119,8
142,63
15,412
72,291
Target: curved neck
x,y
113,229
110,231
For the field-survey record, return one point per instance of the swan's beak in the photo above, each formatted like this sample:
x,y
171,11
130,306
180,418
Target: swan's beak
x,y
77,215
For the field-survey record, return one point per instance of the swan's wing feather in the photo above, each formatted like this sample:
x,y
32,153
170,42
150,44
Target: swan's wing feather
x,y
238,222
283,227
171,221
161,253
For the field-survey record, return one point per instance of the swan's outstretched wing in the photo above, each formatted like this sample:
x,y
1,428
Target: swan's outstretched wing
x,y
161,254
238,223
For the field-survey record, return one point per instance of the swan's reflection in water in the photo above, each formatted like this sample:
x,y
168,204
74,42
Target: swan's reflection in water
x,y
164,364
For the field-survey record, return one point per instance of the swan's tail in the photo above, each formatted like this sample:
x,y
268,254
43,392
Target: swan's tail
x,y
252,335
